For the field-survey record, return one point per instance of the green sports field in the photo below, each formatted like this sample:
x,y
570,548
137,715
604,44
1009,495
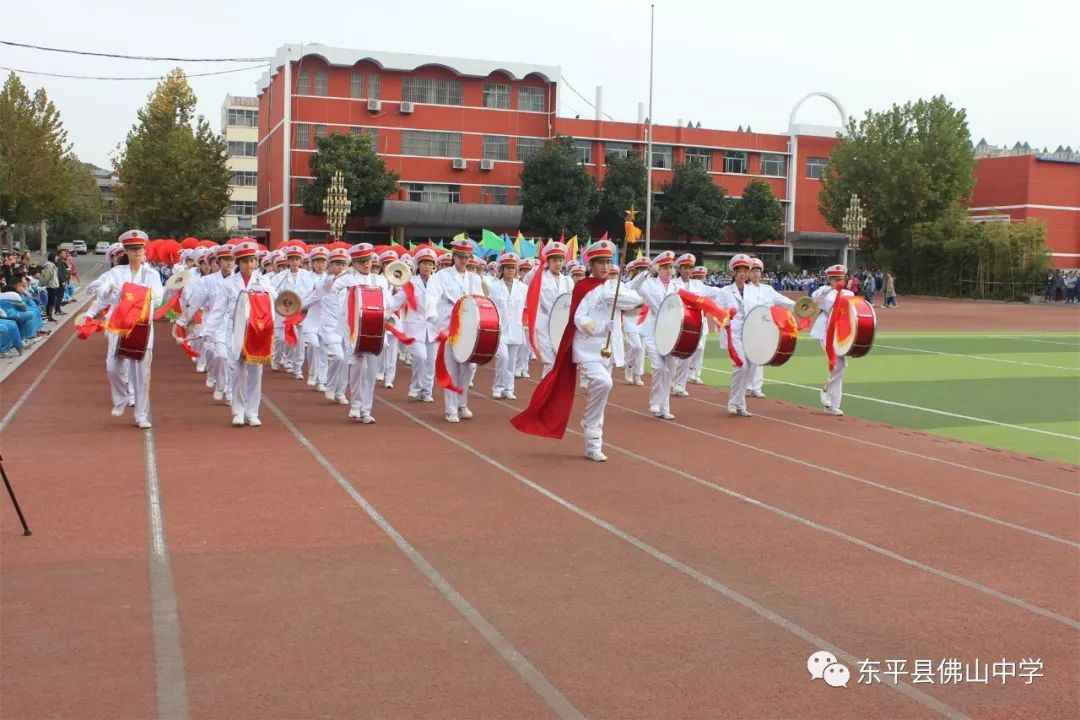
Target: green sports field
x,y
1019,392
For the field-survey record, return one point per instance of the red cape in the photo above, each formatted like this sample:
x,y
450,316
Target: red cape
x,y
553,400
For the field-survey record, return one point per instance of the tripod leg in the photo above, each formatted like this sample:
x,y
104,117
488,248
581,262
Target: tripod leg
x,y
11,494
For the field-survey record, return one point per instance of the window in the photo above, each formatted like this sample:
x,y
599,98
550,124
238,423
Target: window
x,y
531,99
584,151
497,96
617,150
372,133
303,136
320,132
357,85
699,156
431,144
238,148
241,207
527,147
815,167
735,162
773,165
432,91
321,84
496,147
243,118
373,87
243,178
495,195
303,82
661,156
420,192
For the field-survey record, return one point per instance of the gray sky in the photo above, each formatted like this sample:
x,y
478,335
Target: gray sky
x,y
1010,64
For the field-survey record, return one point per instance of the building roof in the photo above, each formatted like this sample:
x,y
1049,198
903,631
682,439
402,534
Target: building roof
x,y
406,62
241,101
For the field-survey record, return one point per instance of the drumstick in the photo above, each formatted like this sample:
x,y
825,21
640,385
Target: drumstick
x,y
606,351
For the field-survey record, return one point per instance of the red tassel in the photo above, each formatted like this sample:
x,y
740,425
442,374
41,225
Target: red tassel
x,y
188,350
805,323
173,304
644,314
410,296
291,336
402,337
732,353
442,375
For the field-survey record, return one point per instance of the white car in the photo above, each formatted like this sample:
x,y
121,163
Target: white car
x,y
79,247
101,248
70,247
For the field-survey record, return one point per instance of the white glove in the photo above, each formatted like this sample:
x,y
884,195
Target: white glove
x,y
602,327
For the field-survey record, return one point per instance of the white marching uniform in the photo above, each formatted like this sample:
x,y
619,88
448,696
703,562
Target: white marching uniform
x,y
122,370
825,297
334,334
94,289
653,292
363,367
444,290
415,325
551,287
209,296
773,298
693,368
592,320
511,304
313,338
246,377
743,302
301,282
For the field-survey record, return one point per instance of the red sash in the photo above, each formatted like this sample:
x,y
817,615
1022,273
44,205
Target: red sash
x,y
258,346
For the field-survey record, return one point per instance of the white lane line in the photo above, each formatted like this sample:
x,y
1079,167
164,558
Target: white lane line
x,y
791,627
899,450
978,357
1074,346
33,386
918,407
859,542
169,673
514,657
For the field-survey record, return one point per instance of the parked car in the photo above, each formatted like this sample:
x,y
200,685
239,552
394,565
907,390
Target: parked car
x,y
101,248
70,247
80,247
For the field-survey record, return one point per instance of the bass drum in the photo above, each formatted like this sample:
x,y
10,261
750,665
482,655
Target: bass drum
x,y
860,337
763,340
678,328
371,320
477,336
559,319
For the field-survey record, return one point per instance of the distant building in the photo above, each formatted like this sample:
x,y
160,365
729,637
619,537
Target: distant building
x,y
240,127
107,180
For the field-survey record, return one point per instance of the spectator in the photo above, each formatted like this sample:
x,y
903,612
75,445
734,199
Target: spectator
x,y
1048,285
10,338
50,280
1071,287
869,287
890,290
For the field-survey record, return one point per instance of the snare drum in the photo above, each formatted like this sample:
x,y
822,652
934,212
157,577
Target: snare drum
x,y
134,345
763,341
861,336
370,319
559,318
477,337
678,328
253,328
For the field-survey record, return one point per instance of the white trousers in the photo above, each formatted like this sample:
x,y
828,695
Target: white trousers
x,y
544,344
317,362
740,377
221,368
504,370
682,373
338,366
834,386
390,358
362,371
663,373
635,356
247,388
521,357
758,379
697,360
597,376
281,357
460,374
423,367
129,377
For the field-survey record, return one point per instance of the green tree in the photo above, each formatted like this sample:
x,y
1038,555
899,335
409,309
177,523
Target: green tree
x,y
623,187
693,206
79,214
758,216
557,194
34,180
173,176
366,177
911,164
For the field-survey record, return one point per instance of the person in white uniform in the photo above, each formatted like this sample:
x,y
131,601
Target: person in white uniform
x,y
116,256
508,294
592,323
697,360
825,297
334,324
443,292
314,352
415,325
363,367
653,292
246,374
769,296
637,273
208,297
524,350
122,370
552,284
684,265
300,281
391,348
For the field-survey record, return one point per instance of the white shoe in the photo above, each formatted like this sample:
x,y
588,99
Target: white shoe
x,y
834,411
743,412
654,409
639,382
596,456
825,399
355,413
681,393
200,367
509,396
298,377
143,424
274,366
341,400
311,382
329,395
254,422
453,418
470,383
697,381
388,386
131,402
321,387
228,397
666,416
414,394
238,420
465,413
379,377
118,410
367,419
219,394
427,398
756,393
209,382
496,396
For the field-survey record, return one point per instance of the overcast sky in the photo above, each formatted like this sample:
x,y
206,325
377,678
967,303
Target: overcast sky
x,y
1012,65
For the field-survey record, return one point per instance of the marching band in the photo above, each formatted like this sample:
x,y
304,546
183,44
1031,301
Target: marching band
x,y
346,317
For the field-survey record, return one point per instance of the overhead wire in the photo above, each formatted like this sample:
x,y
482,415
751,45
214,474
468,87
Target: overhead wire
x,y
131,57
146,77
574,90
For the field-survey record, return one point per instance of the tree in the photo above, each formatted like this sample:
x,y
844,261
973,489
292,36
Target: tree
x,y
693,205
33,144
623,187
758,216
557,194
909,165
366,178
173,176
79,215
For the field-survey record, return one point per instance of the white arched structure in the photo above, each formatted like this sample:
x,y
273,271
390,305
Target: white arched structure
x,y
794,130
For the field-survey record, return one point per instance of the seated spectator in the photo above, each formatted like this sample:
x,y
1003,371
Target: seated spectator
x,y
10,337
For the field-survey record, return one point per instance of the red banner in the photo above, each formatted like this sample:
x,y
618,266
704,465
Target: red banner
x,y
401,337
132,309
259,339
172,304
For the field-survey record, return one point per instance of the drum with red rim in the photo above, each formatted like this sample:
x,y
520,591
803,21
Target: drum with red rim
x,y
764,339
678,328
370,319
860,337
477,336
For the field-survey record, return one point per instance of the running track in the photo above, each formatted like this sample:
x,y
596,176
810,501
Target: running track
x,y
315,567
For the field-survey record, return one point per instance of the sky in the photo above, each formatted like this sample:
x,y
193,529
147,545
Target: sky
x,y
1010,65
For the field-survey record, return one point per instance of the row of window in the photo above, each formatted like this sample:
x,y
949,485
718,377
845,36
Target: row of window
x,y
241,207
431,192
242,118
305,140
432,91
243,178
240,148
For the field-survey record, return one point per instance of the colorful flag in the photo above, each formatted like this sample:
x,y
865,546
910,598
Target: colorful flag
x,y
491,241
572,249
517,243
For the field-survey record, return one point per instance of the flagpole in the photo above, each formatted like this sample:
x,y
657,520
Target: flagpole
x,y
648,140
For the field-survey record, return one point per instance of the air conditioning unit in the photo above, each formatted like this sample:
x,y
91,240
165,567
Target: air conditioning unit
x,y
407,107
374,105
487,164
459,164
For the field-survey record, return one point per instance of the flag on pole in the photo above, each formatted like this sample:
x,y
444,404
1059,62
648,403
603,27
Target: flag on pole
x,y
572,249
517,243
491,241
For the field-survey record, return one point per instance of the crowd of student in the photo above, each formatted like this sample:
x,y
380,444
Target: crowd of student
x,y
32,294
